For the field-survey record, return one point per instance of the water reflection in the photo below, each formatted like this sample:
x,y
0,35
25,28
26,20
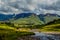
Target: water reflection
x,y
43,36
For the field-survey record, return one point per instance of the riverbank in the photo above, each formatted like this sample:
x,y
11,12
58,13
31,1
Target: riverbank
x,y
40,36
22,35
12,35
45,32
28,38
52,33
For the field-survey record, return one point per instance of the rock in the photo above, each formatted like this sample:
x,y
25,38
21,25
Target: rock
x,y
28,38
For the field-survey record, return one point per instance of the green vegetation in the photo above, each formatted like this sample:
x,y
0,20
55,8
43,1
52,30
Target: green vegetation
x,y
11,30
31,20
12,35
52,26
8,32
49,18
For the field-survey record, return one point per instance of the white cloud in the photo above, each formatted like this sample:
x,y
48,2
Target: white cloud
x,y
36,6
49,2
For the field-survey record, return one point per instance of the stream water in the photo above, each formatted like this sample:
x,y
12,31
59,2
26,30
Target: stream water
x,y
40,36
43,36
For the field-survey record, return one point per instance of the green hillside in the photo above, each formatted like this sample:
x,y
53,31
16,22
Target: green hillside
x,y
8,32
31,20
57,21
49,18
52,26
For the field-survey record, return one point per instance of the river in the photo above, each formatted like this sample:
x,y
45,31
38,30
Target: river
x,y
41,36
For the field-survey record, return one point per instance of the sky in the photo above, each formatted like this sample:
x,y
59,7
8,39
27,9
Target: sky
x,y
32,6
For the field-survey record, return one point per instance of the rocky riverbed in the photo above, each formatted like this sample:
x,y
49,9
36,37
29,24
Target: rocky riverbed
x,y
28,38
40,36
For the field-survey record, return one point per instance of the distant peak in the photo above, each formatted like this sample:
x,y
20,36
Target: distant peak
x,y
50,14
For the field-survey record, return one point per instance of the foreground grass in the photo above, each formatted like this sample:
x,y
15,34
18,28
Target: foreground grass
x,y
12,35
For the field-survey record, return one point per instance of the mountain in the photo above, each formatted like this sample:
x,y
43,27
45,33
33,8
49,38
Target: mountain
x,y
27,19
52,26
45,18
22,15
48,17
4,17
56,21
41,16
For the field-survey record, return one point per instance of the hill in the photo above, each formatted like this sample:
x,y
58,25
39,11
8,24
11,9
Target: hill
x,y
4,17
48,17
30,20
52,26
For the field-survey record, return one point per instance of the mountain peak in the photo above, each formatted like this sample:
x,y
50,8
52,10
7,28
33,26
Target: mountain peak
x,y
49,14
4,17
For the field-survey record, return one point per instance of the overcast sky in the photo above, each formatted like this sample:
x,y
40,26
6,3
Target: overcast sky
x,y
33,6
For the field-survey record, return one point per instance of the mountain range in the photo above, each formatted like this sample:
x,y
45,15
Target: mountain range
x,y
29,18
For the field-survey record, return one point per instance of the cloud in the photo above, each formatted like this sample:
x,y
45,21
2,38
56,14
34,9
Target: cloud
x,y
34,6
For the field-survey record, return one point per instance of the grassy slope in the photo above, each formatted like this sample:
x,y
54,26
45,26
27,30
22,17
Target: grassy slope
x,y
50,18
11,33
33,19
52,26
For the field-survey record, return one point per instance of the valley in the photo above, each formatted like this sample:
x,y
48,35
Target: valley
x,y
28,25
